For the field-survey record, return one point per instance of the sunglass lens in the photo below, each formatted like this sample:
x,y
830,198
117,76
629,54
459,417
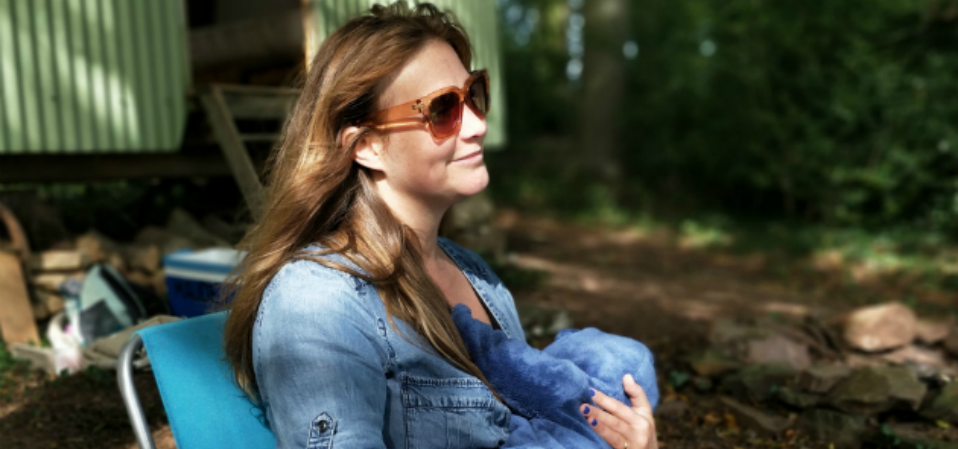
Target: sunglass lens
x,y
444,113
479,97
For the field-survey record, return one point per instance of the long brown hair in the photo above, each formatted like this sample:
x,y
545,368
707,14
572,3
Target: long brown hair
x,y
316,193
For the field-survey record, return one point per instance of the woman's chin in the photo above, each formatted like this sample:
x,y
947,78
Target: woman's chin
x,y
476,182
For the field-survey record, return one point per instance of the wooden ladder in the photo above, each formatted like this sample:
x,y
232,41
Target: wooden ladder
x,y
224,104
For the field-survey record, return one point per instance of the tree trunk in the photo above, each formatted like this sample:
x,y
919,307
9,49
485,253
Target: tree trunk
x,y
600,102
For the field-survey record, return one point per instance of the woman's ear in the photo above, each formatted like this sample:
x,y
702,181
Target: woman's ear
x,y
368,151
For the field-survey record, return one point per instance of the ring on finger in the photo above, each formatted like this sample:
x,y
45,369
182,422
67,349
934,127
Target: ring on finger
x,y
626,446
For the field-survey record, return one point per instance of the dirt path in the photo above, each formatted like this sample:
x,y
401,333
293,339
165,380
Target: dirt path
x,y
645,286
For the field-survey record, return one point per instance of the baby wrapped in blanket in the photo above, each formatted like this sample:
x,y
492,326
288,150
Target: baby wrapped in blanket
x,y
545,388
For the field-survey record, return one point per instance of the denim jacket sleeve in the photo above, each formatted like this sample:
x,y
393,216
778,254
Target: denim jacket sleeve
x,y
319,361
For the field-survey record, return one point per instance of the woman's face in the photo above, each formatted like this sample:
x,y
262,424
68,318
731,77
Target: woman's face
x,y
413,163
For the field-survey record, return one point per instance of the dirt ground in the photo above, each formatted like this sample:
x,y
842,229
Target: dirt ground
x,y
647,286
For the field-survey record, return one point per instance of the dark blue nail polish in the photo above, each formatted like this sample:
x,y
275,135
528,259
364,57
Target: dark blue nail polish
x,y
591,392
595,423
587,410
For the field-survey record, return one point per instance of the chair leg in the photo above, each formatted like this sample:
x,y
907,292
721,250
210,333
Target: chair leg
x,y
124,379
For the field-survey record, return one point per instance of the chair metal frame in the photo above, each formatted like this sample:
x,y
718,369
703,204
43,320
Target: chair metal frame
x,y
124,379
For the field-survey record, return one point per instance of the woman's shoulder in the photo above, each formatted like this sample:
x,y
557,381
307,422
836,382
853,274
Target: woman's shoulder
x,y
304,286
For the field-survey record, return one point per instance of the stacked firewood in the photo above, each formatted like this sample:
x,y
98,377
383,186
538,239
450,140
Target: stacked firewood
x,y
139,261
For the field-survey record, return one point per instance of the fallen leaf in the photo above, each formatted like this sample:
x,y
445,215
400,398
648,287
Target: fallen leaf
x,y
711,418
730,422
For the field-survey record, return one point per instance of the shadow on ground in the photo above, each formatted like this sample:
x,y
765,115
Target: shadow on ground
x,y
78,412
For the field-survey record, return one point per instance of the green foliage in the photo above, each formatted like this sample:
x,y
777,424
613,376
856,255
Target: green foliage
x,y
826,110
8,365
838,113
678,378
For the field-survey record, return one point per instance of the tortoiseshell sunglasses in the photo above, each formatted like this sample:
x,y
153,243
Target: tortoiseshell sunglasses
x,y
442,109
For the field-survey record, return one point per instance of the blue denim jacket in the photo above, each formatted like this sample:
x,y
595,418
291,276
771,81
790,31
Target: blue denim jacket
x,y
330,368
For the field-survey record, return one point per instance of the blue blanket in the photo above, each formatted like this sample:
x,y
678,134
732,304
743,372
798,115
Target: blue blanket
x,y
545,388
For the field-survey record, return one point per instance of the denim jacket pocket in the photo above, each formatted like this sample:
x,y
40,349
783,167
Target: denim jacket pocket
x,y
452,413
321,431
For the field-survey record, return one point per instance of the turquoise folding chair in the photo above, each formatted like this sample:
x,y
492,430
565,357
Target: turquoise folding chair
x,y
205,407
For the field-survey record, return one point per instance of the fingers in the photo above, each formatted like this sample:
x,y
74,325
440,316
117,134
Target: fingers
x,y
640,402
610,428
611,405
616,422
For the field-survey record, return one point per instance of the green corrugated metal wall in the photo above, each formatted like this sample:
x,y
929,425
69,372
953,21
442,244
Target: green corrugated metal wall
x,y
92,76
477,16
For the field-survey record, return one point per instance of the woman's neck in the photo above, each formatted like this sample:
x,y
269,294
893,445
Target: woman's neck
x,y
419,216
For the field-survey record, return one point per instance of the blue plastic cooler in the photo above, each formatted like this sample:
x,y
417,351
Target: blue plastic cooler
x,y
193,278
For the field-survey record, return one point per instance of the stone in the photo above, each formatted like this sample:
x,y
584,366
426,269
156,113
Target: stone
x,y
672,409
881,327
778,349
931,332
158,282
752,418
904,385
821,378
910,435
945,405
726,331
798,398
45,304
915,355
146,258
877,389
139,278
167,241
831,427
182,223
232,232
758,382
51,282
58,260
116,261
951,343
95,246
712,362
856,361
54,303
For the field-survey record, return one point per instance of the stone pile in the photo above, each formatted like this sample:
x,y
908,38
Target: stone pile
x,y
876,374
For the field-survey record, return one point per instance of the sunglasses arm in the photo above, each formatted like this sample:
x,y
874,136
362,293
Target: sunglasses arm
x,y
402,114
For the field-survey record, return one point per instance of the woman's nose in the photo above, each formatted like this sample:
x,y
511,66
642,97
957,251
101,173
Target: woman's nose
x,y
472,125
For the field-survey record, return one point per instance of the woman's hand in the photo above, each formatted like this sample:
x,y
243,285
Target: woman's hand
x,y
621,426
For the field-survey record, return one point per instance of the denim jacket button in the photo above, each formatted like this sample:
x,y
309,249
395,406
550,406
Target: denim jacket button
x,y
323,425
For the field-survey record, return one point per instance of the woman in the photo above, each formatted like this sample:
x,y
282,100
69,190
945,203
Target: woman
x,y
340,324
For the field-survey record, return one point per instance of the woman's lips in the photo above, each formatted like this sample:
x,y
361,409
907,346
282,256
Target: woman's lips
x,y
470,156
